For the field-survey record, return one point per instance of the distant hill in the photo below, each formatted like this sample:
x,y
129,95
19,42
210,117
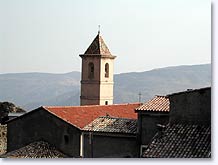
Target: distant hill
x,y
160,81
31,90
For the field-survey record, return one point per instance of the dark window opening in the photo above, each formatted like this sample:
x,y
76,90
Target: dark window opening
x,y
66,139
106,102
91,70
106,70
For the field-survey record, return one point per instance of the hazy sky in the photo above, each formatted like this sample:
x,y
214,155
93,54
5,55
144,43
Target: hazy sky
x,y
49,35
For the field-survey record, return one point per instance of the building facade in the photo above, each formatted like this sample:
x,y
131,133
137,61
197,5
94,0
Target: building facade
x,y
110,137
152,115
40,125
191,106
62,127
188,134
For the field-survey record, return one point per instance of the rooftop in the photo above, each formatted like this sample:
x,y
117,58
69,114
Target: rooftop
x,y
190,90
98,47
109,124
38,149
181,141
80,116
158,103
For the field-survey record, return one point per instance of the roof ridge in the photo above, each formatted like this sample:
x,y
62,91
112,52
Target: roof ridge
x,y
189,90
160,96
112,117
91,105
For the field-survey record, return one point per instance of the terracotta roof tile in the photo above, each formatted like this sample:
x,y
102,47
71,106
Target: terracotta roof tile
x,y
181,141
80,116
158,103
109,124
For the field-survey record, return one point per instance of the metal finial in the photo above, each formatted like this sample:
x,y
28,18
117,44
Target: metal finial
x,y
98,29
140,97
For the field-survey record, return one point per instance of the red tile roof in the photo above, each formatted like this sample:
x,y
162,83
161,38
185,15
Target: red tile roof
x,y
80,116
158,103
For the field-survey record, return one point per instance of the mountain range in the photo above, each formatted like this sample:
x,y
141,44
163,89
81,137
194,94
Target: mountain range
x,y
31,90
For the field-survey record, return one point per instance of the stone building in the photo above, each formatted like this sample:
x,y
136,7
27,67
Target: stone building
x,y
188,134
3,139
192,106
152,115
62,127
97,74
110,137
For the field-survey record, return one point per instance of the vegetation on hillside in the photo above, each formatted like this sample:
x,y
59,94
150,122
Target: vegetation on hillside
x,y
6,108
31,90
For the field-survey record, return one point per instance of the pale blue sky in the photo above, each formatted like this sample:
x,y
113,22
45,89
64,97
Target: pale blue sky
x,y
49,35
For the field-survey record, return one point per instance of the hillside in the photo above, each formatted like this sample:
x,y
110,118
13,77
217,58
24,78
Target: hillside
x,y
31,90
161,81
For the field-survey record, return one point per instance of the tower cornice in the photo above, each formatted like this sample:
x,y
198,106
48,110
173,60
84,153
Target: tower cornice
x,y
98,55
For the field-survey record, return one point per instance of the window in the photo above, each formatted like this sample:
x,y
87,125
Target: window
x,y
106,102
91,70
142,149
106,70
66,139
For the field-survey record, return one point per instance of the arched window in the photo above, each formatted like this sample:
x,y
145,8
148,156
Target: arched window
x,y
91,70
106,70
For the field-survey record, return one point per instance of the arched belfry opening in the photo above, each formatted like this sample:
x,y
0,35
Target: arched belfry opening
x,y
106,68
91,70
97,74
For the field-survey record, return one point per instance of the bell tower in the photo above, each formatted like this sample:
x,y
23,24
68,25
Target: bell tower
x,y
97,74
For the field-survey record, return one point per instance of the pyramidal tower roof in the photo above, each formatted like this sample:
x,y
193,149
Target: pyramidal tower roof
x,y
98,46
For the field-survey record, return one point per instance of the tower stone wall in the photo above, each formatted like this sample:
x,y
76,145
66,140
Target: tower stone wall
x,y
97,74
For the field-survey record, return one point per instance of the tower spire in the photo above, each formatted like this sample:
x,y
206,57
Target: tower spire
x,y
98,46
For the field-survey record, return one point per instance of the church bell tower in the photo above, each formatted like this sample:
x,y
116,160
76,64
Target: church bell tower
x,y
97,74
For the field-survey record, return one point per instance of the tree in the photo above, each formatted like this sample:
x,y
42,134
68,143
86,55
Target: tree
x,y
4,111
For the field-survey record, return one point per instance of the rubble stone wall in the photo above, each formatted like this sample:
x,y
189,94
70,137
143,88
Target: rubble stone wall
x,y
3,139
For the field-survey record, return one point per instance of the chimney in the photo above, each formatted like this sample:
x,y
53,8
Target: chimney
x,y
161,129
